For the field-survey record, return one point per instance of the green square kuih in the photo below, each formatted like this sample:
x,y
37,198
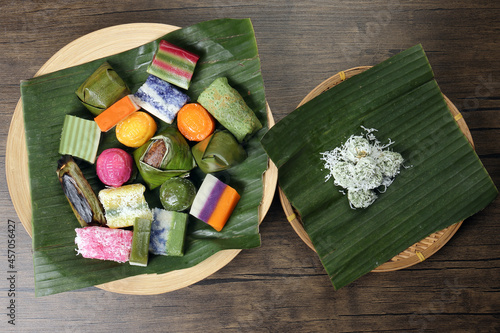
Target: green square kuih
x,y
80,138
168,232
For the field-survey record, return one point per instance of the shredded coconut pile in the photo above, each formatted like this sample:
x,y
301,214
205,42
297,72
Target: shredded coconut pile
x,y
362,166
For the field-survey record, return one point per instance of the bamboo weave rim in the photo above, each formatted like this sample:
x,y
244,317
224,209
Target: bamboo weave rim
x,y
419,251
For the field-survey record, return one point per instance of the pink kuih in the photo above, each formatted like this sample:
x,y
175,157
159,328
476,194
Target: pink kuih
x,y
114,167
104,243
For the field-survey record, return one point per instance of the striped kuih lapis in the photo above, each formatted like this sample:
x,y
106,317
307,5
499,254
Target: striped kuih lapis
x,y
80,138
214,202
160,98
173,64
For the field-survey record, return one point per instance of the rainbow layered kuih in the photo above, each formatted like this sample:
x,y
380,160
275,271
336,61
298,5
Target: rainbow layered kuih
x,y
173,64
214,202
160,98
104,243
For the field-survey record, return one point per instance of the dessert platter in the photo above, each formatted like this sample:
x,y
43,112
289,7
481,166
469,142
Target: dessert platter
x,y
103,44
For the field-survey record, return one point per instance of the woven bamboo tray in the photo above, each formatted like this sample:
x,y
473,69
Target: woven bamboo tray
x,y
92,46
416,253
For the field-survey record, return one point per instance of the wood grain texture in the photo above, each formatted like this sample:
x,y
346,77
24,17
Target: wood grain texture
x,y
281,286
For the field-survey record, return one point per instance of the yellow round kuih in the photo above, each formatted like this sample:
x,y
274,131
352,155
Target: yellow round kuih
x,y
136,129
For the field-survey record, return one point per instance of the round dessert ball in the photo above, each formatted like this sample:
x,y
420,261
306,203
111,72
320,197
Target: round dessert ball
x,y
114,167
177,194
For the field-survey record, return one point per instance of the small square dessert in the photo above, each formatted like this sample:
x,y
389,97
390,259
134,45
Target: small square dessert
x,y
122,205
160,98
116,113
80,138
214,203
173,64
168,232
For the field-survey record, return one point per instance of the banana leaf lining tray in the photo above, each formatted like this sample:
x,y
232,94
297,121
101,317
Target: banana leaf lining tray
x,y
419,251
112,43
444,181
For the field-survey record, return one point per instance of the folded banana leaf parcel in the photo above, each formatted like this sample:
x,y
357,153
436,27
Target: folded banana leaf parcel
x,y
442,180
227,48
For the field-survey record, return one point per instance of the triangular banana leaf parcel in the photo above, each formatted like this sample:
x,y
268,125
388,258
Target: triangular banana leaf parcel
x,y
227,48
444,184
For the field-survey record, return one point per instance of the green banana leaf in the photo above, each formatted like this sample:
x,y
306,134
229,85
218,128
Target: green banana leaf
x,y
444,181
177,161
218,152
101,89
227,48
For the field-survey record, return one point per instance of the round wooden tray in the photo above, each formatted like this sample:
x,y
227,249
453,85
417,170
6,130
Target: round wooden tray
x,y
416,253
98,44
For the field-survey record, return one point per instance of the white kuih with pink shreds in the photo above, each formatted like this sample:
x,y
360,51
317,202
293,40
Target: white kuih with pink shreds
x,y
104,243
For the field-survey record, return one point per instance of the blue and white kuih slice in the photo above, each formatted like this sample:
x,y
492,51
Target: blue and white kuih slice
x,y
168,232
160,98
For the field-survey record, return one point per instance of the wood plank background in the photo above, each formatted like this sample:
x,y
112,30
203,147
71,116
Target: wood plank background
x,y
281,286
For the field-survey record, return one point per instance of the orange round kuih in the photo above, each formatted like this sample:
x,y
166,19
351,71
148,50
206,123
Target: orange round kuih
x,y
194,122
136,129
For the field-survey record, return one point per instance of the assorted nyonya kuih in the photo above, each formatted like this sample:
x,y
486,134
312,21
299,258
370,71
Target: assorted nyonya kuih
x,y
118,224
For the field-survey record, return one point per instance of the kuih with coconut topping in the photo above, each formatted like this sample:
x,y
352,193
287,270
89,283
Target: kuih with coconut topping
x,y
362,166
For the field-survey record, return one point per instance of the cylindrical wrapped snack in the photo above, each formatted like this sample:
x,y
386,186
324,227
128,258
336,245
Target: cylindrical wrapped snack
x,y
165,156
218,152
229,108
81,197
102,89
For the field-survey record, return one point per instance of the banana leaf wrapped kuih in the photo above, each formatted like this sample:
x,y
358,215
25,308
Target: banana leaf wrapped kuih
x,y
101,89
82,199
218,152
165,156
227,48
442,181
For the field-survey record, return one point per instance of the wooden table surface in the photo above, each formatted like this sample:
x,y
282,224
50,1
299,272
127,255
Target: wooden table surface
x,y
281,286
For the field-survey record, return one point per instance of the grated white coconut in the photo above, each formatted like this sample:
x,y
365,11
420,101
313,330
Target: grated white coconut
x,y
362,165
